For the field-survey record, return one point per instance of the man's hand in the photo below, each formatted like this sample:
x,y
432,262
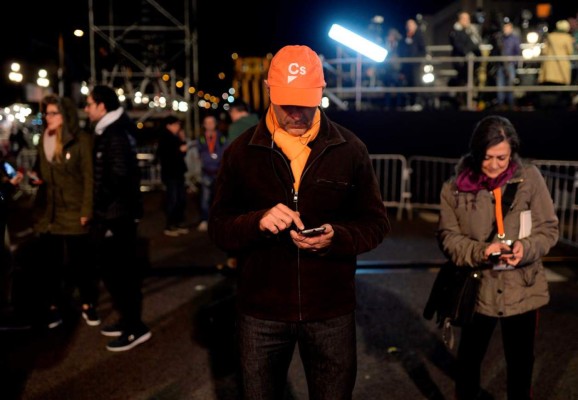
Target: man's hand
x,y
280,218
313,243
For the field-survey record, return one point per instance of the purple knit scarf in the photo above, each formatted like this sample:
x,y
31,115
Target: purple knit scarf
x,y
470,181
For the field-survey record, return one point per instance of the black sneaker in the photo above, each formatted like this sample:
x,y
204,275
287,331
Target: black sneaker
x,y
54,318
90,316
113,330
129,340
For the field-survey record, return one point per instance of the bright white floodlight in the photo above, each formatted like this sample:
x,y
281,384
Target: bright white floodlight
x,y
357,43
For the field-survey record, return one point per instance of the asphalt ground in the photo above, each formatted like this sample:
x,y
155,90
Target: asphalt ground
x,y
188,301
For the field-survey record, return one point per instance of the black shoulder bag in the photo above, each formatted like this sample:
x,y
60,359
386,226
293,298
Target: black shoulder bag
x,y
454,292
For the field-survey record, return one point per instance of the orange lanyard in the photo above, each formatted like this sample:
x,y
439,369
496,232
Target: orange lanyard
x,y
499,218
211,141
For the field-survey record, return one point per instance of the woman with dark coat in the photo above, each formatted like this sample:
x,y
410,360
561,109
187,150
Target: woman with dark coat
x,y
64,207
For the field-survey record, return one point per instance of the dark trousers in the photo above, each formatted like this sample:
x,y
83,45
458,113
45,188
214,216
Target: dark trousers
x,y
52,270
518,334
122,274
327,349
176,200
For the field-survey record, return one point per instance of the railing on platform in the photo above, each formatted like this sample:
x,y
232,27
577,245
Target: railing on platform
x,y
348,81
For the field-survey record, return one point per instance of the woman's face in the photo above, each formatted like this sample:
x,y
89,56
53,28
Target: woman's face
x,y
53,117
497,159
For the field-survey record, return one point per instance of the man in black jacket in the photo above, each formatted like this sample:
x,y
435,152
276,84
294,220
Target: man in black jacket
x,y
465,40
117,210
297,169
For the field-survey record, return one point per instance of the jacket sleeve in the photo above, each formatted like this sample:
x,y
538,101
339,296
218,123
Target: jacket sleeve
x,y
85,142
456,245
545,231
368,224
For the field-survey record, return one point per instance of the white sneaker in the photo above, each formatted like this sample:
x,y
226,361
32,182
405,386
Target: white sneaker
x,y
203,226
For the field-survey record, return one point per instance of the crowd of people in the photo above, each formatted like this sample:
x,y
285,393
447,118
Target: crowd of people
x,y
87,205
469,36
293,198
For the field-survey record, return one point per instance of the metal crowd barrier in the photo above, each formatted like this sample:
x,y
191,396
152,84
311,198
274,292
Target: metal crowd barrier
x,y
150,169
427,174
391,171
562,181
405,184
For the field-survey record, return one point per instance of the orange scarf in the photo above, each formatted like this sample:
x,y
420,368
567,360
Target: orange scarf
x,y
294,147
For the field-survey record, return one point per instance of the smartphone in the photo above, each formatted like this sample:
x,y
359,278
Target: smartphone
x,y
499,253
9,169
312,231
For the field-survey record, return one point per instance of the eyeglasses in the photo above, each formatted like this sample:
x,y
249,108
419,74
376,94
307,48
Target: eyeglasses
x,y
51,113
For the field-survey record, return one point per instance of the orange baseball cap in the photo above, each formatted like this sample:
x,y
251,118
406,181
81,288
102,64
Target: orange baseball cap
x,y
295,77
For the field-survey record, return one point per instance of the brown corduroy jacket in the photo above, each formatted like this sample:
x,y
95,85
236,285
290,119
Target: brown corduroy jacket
x,y
338,186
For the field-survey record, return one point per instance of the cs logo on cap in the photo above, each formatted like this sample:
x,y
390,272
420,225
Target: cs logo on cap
x,y
294,69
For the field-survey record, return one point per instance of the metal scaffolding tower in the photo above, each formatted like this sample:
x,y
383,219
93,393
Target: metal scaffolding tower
x,y
146,54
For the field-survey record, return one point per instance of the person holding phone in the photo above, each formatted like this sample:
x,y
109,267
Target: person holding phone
x,y
296,169
513,284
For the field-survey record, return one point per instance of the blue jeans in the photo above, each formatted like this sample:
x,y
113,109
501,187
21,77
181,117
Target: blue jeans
x,y
207,189
327,349
506,76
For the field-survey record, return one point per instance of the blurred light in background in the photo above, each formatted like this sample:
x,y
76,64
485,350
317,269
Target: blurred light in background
x,y
357,43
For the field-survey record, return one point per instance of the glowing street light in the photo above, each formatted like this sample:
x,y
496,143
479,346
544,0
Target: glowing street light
x,y
42,79
357,43
15,75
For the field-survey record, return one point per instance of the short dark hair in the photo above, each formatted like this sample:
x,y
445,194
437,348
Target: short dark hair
x,y
171,119
489,132
239,105
105,95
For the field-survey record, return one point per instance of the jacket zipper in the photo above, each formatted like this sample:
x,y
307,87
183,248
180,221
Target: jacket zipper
x,y
296,208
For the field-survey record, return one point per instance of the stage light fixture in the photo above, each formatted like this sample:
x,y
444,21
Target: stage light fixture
x,y
357,43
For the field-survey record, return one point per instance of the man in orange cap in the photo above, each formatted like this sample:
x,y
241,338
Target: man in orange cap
x,y
295,170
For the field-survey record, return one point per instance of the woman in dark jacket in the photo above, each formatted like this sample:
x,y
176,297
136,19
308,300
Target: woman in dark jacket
x,y
513,286
64,209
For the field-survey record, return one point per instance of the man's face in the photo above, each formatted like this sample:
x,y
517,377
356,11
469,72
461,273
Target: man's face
x,y
210,123
464,20
93,110
295,120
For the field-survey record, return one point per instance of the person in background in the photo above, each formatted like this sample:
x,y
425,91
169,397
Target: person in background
x,y
211,145
465,41
297,169
508,44
117,210
241,119
392,76
557,43
10,178
467,235
170,153
63,206
413,45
